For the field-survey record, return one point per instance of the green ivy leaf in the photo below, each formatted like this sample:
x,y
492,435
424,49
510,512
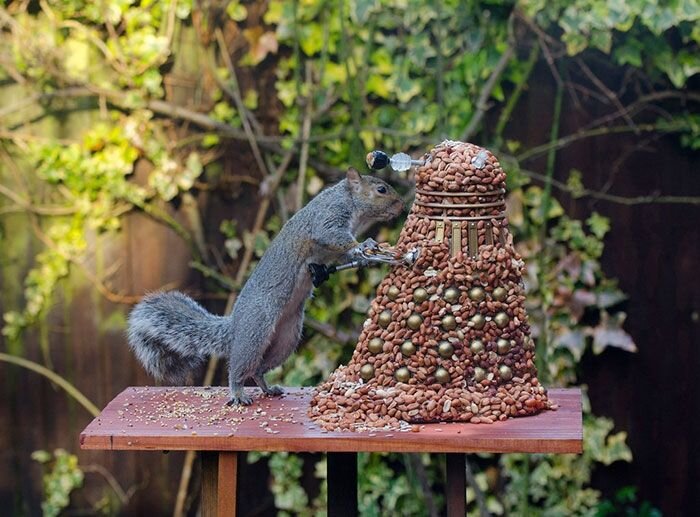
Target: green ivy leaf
x,y
236,11
598,224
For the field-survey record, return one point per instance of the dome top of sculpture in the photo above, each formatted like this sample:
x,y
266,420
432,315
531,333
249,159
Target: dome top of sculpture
x,y
460,167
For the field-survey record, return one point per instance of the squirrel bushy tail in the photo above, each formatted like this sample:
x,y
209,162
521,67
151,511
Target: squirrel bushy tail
x,y
172,335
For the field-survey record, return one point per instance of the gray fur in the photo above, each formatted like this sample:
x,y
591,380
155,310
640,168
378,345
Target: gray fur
x,y
171,334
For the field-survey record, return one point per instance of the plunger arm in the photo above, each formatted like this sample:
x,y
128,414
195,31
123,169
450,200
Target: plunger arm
x,y
367,257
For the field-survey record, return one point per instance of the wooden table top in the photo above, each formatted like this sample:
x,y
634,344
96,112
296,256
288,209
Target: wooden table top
x,y
196,418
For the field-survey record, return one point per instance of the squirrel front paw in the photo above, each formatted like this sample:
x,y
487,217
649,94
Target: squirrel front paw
x,y
359,251
368,244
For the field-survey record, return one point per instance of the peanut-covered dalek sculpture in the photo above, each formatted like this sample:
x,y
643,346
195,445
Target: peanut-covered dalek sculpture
x,y
447,337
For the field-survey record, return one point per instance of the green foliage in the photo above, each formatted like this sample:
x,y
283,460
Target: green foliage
x,y
62,475
558,485
625,504
387,482
631,31
286,470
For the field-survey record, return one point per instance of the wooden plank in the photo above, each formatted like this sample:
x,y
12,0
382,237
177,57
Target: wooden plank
x,y
456,477
342,484
193,418
219,483
227,483
210,483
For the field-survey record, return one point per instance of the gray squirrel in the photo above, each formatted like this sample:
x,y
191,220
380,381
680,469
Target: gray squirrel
x,y
172,335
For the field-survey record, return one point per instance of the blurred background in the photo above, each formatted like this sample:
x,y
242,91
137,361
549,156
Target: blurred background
x,y
150,145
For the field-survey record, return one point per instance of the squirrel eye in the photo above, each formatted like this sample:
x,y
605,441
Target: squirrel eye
x,y
381,189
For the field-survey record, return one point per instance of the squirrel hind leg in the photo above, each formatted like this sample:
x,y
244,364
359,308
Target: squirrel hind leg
x,y
272,391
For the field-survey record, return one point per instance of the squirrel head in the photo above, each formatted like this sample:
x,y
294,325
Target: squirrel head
x,y
374,199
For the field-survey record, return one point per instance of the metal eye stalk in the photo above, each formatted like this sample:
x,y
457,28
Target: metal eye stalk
x,y
399,162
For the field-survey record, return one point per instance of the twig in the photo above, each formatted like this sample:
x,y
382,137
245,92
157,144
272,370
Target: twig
x,y
543,342
536,151
71,92
622,158
305,132
236,94
331,332
123,495
190,209
36,209
606,91
356,107
209,272
18,137
643,102
478,493
414,461
612,198
97,283
482,103
543,38
162,216
504,117
53,377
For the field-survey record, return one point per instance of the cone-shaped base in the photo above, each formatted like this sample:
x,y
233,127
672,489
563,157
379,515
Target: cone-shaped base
x,y
447,339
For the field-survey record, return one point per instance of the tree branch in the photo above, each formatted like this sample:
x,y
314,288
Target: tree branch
x,y
612,198
536,151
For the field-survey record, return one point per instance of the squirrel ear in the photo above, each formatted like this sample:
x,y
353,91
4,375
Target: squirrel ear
x,y
353,178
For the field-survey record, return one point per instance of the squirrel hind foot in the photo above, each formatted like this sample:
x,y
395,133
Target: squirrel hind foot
x,y
241,399
274,391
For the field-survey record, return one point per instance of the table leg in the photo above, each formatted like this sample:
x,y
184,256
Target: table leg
x,y
456,485
219,477
342,484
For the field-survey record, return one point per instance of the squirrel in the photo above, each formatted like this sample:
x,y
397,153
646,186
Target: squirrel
x,y
172,335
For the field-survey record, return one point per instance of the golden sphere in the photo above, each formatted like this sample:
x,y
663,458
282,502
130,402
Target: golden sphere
x,y
477,346
478,321
402,374
503,346
442,376
414,321
449,322
445,349
501,319
479,374
408,348
393,293
500,294
505,372
367,372
385,318
477,294
375,345
451,295
420,295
